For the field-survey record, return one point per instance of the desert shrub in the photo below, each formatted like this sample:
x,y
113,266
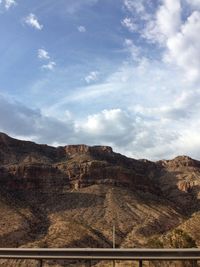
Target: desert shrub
x,y
154,242
180,239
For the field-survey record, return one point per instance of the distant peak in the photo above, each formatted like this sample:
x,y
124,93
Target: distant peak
x,y
180,161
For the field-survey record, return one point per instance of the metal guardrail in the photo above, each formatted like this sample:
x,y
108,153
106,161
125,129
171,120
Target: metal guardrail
x,y
101,254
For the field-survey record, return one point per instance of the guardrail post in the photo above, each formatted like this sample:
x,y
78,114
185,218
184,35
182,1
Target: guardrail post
x,y
88,263
40,263
140,263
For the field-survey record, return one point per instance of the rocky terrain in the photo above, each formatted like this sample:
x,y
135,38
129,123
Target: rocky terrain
x,y
71,196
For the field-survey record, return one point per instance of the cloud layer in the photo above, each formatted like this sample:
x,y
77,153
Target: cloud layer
x,y
21,121
152,132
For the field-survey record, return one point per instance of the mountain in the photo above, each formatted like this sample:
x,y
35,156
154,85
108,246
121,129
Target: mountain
x,y
71,196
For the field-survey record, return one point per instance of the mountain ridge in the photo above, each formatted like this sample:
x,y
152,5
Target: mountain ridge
x,y
47,193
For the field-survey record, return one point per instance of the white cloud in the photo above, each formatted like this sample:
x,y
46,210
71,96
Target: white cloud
x,y
92,76
10,3
176,32
32,21
166,22
129,24
139,136
7,4
128,133
81,28
169,17
50,66
107,123
43,54
184,47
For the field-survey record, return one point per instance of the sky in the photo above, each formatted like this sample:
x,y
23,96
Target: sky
x,y
122,73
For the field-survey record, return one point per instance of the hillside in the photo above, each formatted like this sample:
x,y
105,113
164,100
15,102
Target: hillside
x,y
71,196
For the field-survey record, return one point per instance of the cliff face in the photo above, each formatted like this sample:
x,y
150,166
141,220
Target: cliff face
x,y
28,165
47,193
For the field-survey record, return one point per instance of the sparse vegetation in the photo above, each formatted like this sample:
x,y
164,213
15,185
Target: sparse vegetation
x,y
154,242
179,239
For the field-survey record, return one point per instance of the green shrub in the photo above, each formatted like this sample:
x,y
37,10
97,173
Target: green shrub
x,y
154,243
180,239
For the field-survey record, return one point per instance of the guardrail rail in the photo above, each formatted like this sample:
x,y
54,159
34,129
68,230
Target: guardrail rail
x,y
90,254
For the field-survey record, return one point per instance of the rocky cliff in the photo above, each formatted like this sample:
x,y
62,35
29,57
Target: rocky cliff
x,y
26,165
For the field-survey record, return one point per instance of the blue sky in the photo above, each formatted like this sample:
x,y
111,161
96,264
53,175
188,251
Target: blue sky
x,y
123,73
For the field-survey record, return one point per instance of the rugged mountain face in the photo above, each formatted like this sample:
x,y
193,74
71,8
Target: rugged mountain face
x,y
72,196
25,165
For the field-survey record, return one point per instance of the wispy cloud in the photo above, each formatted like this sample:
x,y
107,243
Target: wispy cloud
x,y
50,66
92,76
43,54
33,21
72,6
129,24
81,28
134,6
137,8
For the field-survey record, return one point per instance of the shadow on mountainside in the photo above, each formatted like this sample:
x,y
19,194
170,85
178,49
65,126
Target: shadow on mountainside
x,y
37,222
40,205
186,199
